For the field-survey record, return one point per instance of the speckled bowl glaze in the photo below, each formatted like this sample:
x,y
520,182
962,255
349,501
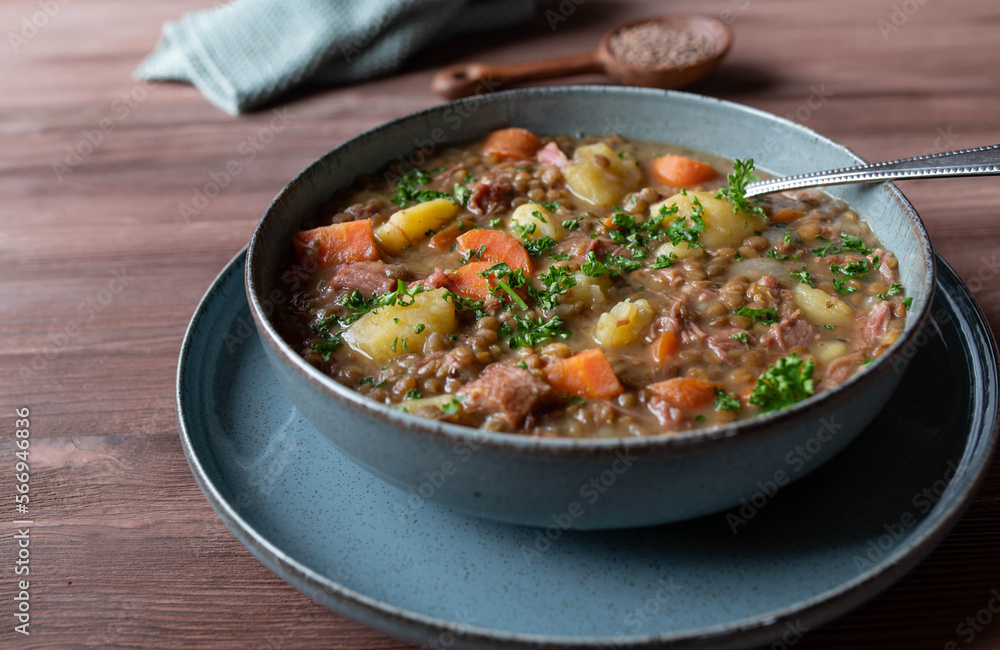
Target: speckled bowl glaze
x,y
595,483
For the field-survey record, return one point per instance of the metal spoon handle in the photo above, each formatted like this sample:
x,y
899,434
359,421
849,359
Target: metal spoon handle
x,y
978,161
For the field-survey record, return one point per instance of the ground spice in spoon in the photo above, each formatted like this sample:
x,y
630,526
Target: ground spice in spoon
x,y
657,45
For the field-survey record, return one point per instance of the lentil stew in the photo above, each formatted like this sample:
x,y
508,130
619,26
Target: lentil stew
x,y
578,286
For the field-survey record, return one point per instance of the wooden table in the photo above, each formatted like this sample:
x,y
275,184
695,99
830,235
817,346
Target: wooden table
x,y
100,274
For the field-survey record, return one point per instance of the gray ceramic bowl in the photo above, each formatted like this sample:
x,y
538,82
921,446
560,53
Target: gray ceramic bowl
x,y
600,483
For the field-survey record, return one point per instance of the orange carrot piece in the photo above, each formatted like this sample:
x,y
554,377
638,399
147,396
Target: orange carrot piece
x,y
499,247
682,171
685,392
665,347
350,241
587,375
466,282
517,143
785,215
443,240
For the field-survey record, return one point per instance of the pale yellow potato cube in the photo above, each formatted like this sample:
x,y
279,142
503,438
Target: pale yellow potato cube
x,y
680,251
624,324
601,182
589,290
531,214
410,225
723,226
820,308
828,351
390,331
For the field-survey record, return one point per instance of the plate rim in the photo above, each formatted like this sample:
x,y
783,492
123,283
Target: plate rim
x,y
414,626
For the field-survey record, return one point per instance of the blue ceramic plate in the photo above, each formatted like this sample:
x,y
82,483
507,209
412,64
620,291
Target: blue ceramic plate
x,y
788,560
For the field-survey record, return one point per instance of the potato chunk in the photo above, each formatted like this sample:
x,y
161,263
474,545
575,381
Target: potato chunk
x,y
410,225
680,251
828,351
531,221
624,324
588,289
820,308
599,176
723,226
398,329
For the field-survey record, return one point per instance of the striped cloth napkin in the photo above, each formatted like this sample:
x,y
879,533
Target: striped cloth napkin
x,y
244,55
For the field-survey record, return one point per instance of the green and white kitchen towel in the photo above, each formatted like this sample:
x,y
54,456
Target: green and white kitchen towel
x,y
246,54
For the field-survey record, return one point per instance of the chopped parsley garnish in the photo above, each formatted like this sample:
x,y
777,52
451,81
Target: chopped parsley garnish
x,y
679,231
451,406
907,302
560,257
594,267
572,224
857,269
803,276
529,333
740,336
462,194
830,326
766,315
413,393
407,189
418,328
893,290
507,279
402,296
774,255
326,348
525,230
842,287
551,206
536,247
726,401
736,192
663,261
574,399
496,223
558,280
475,252
477,306
847,243
787,381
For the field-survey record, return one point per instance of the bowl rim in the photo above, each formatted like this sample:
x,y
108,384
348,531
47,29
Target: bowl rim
x,y
536,446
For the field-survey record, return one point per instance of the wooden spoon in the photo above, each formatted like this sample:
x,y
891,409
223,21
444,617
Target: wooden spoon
x,y
466,79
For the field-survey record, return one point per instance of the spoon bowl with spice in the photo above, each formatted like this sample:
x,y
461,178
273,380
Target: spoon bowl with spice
x,y
662,52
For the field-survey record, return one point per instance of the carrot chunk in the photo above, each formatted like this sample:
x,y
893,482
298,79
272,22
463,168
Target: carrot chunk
x,y
685,392
443,240
497,246
465,281
517,143
665,347
682,171
350,241
587,375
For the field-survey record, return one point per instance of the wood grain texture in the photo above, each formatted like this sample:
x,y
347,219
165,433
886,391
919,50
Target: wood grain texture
x,y
125,549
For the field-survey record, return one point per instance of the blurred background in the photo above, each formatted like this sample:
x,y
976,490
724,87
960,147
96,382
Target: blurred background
x,y
120,199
